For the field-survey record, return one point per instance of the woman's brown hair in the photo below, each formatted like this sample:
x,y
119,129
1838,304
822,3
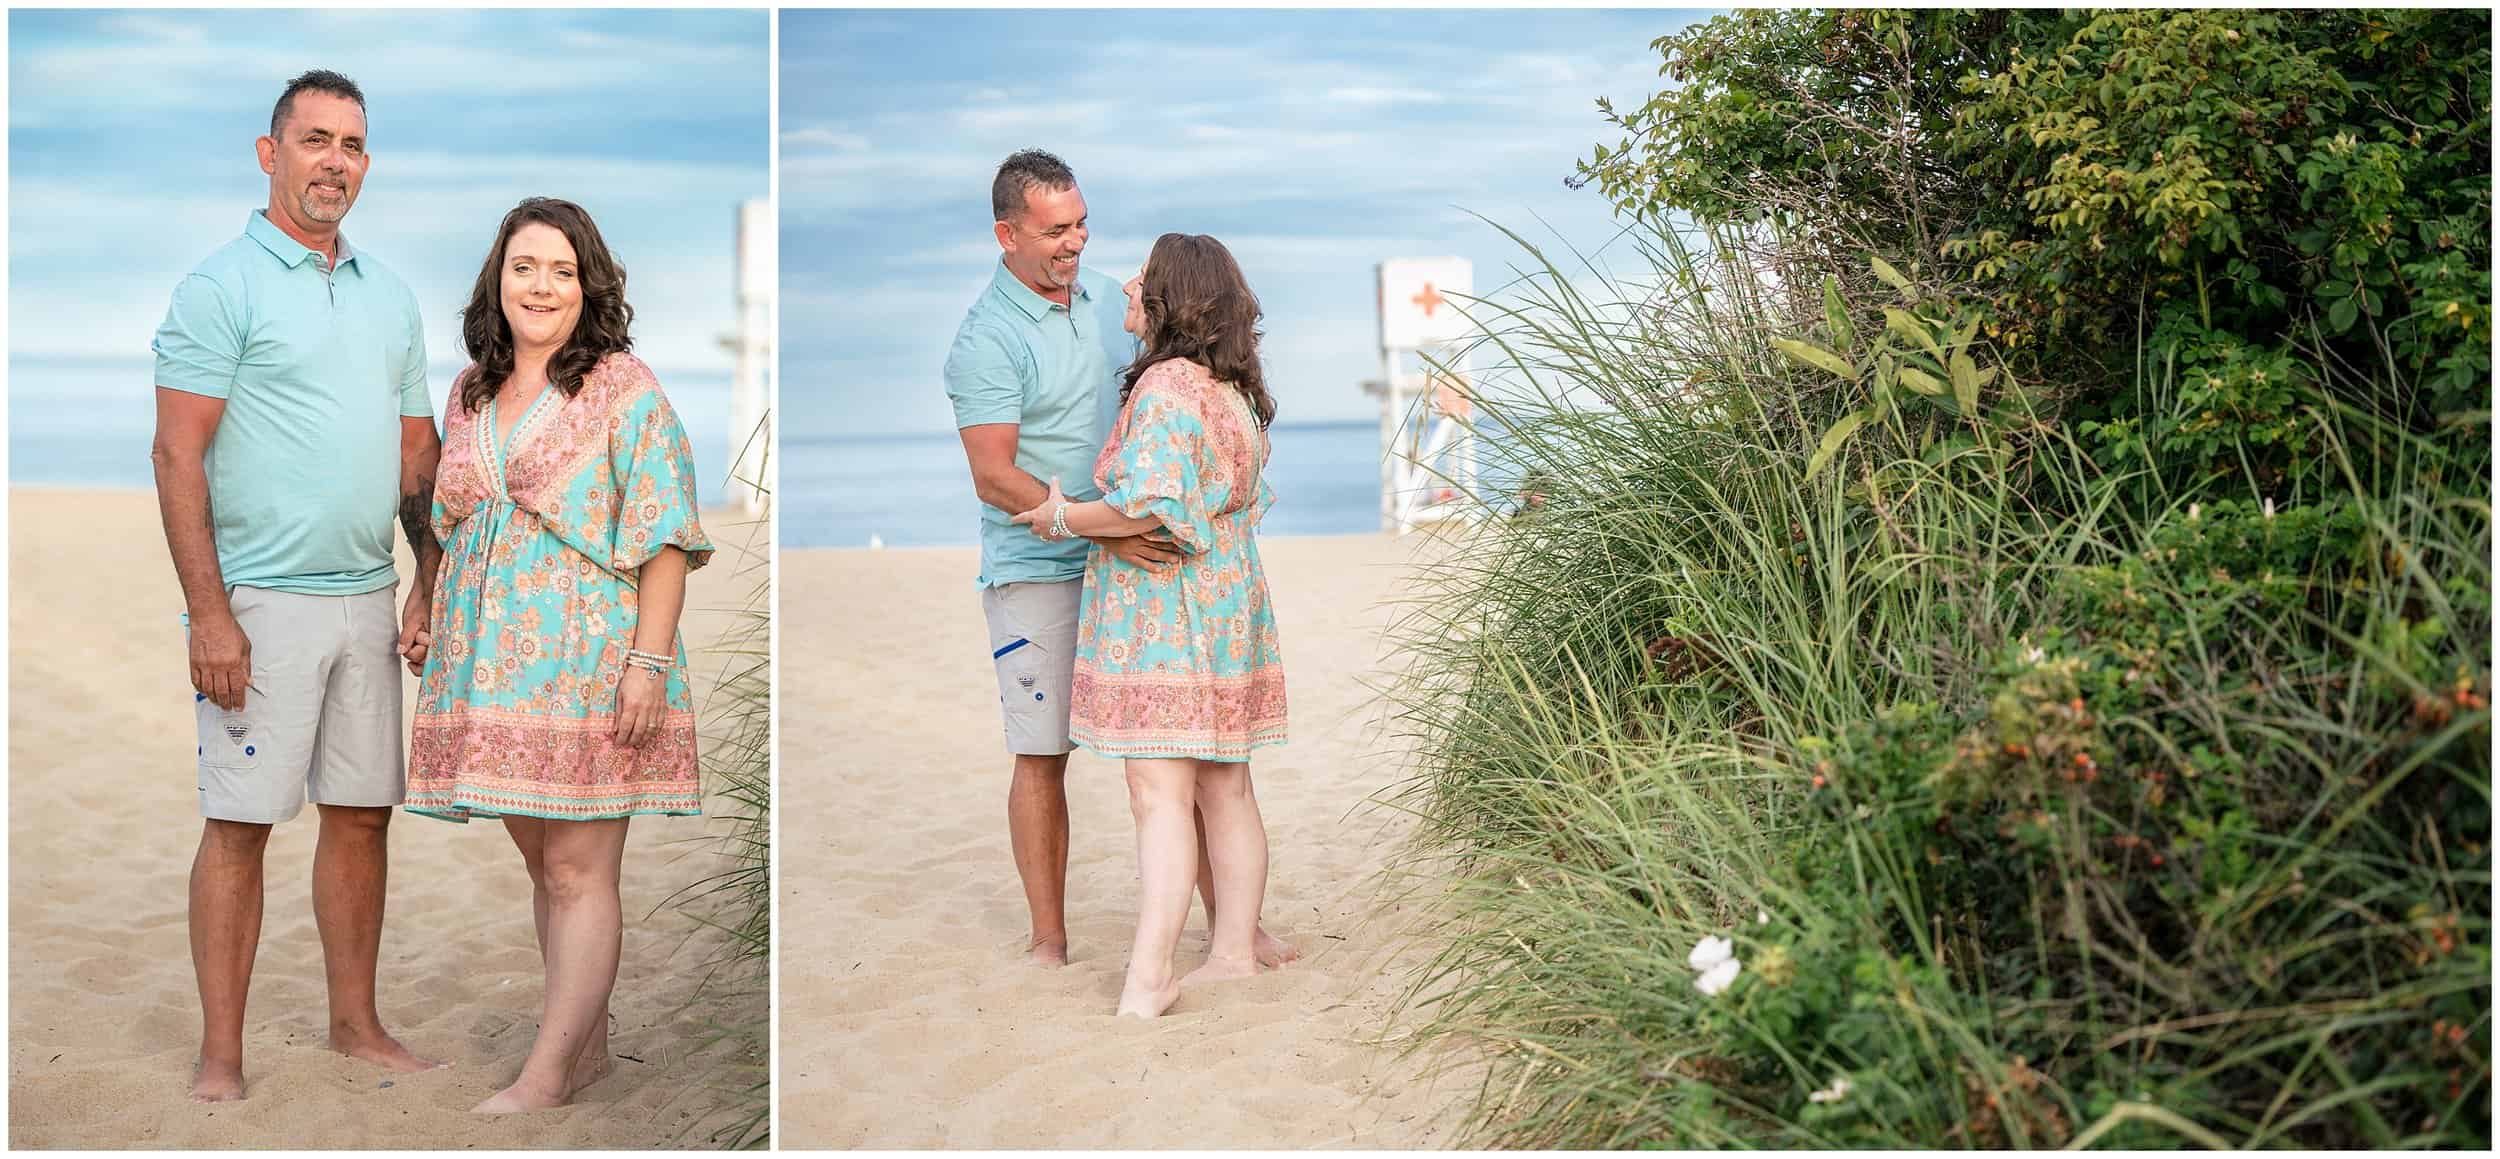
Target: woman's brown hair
x,y
604,327
1198,307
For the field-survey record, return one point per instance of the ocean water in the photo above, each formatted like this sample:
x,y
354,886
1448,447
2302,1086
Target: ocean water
x,y
914,490
87,423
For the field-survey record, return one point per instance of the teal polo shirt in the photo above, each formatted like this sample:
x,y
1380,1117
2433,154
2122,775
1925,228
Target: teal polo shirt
x,y
1053,371
317,366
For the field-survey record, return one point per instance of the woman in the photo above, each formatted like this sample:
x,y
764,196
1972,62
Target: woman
x,y
1179,673
554,695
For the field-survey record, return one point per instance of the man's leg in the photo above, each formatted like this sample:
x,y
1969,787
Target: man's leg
x,y
350,872
359,772
1037,824
225,935
1033,630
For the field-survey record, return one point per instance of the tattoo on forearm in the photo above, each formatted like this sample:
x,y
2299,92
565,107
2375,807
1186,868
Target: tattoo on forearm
x,y
416,514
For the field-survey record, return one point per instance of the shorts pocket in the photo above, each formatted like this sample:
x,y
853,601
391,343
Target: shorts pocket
x,y
229,739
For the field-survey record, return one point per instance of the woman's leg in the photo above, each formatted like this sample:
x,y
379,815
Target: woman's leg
x,y
529,835
1237,854
580,863
1160,796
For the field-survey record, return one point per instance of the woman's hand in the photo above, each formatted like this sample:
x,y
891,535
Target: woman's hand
x,y
641,703
1041,516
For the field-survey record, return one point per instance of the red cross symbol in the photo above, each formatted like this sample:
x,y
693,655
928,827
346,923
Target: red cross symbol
x,y
1428,299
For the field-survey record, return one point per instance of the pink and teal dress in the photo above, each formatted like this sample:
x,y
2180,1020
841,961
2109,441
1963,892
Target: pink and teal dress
x,y
1186,666
535,603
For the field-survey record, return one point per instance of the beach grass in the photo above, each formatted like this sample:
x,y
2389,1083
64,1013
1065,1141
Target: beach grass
x,y
2040,801
735,901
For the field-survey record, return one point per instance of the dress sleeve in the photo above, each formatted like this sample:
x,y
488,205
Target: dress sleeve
x,y
655,487
1159,466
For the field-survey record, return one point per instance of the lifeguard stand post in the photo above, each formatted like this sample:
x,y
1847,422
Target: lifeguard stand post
x,y
1427,444
751,352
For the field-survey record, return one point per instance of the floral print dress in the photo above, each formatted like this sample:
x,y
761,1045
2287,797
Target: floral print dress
x,y
1186,666
543,540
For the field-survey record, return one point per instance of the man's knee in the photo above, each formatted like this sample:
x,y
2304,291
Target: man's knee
x,y
355,820
1050,769
234,839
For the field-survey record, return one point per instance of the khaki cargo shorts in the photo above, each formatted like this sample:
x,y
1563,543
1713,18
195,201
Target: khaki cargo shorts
x,y
321,718
1033,645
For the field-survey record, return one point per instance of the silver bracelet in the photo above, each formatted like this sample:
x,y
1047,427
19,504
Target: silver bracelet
x,y
1059,521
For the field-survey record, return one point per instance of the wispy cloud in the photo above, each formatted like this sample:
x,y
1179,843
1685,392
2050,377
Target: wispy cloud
x,y
655,121
1314,143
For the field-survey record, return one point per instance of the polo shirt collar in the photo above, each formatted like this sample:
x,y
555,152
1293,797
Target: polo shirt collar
x,y
294,253
1014,290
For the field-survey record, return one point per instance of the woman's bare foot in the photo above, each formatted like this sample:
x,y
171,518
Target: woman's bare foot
x,y
1052,952
521,1096
217,1082
378,1047
592,1064
1272,951
1222,970
1148,1001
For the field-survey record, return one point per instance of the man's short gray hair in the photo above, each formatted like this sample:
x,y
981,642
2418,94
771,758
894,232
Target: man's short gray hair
x,y
1022,172
319,80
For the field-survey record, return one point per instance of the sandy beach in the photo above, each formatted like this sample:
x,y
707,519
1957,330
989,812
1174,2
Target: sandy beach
x,y
909,1019
104,1020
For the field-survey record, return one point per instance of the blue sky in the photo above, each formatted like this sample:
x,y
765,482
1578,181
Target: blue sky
x,y
130,155
1314,143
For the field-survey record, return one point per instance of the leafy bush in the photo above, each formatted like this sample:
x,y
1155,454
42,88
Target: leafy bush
x,y
2078,740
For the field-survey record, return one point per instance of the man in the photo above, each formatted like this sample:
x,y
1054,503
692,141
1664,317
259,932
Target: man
x,y
1034,379
291,422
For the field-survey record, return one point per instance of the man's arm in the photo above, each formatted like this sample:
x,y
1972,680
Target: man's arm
x,y
420,454
221,655
991,449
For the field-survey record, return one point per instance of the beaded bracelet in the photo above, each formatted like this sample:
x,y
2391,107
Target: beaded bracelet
x,y
1059,521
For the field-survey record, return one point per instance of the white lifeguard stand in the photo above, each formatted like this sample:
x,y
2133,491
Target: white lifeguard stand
x,y
751,352
1427,443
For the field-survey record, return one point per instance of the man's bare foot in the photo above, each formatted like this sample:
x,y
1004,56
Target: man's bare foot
x,y
378,1047
1149,1001
217,1082
1052,952
1272,951
521,1096
1222,970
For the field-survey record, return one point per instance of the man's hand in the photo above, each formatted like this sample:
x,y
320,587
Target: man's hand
x,y
221,658
416,617
1154,551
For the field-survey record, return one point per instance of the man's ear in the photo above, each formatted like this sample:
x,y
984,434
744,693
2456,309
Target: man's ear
x,y
267,147
1006,235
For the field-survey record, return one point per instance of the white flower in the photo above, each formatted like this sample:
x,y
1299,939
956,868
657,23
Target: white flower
x,y
1711,952
2269,506
1718,977
1831,1094
1761,917
2195,509
2035,656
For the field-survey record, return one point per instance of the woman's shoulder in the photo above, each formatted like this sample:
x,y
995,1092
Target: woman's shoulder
x,y
1176,378
623,382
